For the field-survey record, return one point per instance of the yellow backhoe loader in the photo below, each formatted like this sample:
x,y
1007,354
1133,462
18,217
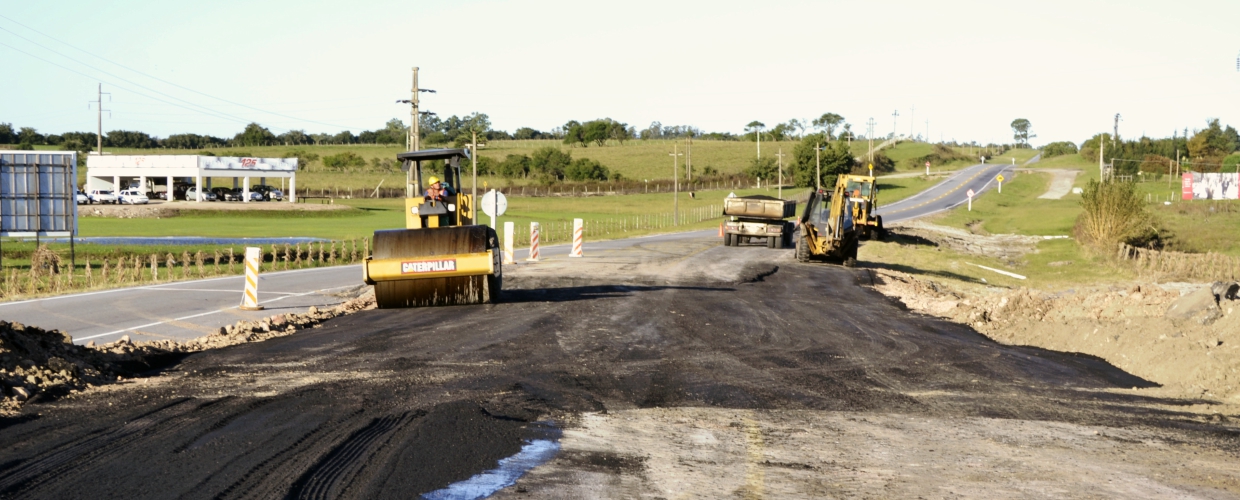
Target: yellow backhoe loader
x,y
442,257
828,228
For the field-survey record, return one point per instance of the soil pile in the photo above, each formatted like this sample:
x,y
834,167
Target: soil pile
x,y
1183,336
37,363
1009,247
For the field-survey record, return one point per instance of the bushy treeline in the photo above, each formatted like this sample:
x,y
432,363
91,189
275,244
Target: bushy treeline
x,y
1211,149
547,164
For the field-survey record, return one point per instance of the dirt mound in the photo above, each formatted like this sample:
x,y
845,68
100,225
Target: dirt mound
x,y
37,363
1183,336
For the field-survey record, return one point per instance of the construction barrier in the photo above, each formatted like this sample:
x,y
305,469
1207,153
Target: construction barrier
x,y
578,237
509,232
253,258
533,242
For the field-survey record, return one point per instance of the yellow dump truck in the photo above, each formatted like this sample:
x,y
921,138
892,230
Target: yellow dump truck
x,y
442,257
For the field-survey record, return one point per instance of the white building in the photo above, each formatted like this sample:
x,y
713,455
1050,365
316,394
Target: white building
x,y
118,172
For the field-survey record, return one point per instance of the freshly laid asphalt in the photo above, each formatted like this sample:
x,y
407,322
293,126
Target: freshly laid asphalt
x,y
191,309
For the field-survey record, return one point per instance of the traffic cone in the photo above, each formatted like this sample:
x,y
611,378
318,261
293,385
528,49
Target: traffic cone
x,y
720,229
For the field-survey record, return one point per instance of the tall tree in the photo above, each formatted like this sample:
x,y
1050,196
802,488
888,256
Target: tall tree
x,y
253,135
1021,128
828,122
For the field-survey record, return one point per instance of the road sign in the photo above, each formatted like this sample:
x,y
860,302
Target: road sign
x,y
970,193
999,178
927,168
494,203
37,193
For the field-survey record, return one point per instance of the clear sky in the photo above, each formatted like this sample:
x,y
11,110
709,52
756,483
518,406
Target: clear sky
x,y
969,67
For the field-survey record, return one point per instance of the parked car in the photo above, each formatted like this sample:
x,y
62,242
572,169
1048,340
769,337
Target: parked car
x,y
191,194
82,199
102,196
134,197
269,192
224,194
240,194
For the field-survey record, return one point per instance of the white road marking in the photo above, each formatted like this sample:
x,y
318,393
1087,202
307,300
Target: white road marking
x,y
224,291
159,287
199,315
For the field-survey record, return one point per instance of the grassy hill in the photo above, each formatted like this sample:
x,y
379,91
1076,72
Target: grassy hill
x,y
635,160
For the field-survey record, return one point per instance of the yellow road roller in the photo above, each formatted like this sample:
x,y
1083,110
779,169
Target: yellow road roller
x,y
441,257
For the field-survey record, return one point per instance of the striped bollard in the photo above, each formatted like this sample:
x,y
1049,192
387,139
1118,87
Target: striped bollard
x,y
253,258
533,242
509,230
579,229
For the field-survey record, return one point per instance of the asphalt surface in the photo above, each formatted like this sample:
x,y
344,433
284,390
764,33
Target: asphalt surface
x,y
190,309
396,403
950,193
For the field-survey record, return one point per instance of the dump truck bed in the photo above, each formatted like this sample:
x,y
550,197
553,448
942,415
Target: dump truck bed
x,y
759,207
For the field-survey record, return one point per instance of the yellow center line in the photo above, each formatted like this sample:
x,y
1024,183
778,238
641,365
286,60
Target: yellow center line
x,y
944,195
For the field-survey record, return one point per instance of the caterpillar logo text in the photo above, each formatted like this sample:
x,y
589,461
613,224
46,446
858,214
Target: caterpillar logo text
x,y
428,266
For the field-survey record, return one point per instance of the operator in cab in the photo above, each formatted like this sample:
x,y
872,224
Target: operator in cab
x,y
437,191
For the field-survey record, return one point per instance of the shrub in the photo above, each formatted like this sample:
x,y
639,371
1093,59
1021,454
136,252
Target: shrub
x,y
1059,149
1113,213
343,161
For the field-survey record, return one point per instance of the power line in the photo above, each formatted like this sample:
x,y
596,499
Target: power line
x,y
66,68
151,76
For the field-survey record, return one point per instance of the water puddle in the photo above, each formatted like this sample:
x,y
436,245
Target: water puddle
x,y
182,240
534,452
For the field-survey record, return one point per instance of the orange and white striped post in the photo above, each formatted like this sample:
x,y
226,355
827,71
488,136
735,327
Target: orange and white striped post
x,y
579,230
533,242
253,258
509,231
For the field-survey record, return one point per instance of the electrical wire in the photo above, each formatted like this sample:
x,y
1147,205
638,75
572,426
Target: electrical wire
x,y
66,68
153,77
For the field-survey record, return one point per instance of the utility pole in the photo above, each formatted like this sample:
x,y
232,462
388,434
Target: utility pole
x,y
927,130
757,131
818,167
895,121
869,135
689,160
412,143
912,122
780,155
675,185
1115,136
99,135
473,199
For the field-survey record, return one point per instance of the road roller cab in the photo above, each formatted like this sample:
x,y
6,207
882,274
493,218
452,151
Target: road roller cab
x,y
441,257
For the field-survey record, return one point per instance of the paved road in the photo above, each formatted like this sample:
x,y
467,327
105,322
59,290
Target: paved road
x,y
947,194
800,384
190,309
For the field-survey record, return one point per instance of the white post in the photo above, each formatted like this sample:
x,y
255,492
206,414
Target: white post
x,y
970,203
245,189
142,184
116,183
534,230
578,237
292,189
249,299
509,231
168,191
198,188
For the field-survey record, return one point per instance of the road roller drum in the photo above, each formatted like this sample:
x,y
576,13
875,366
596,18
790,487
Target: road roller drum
x,y
435,266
